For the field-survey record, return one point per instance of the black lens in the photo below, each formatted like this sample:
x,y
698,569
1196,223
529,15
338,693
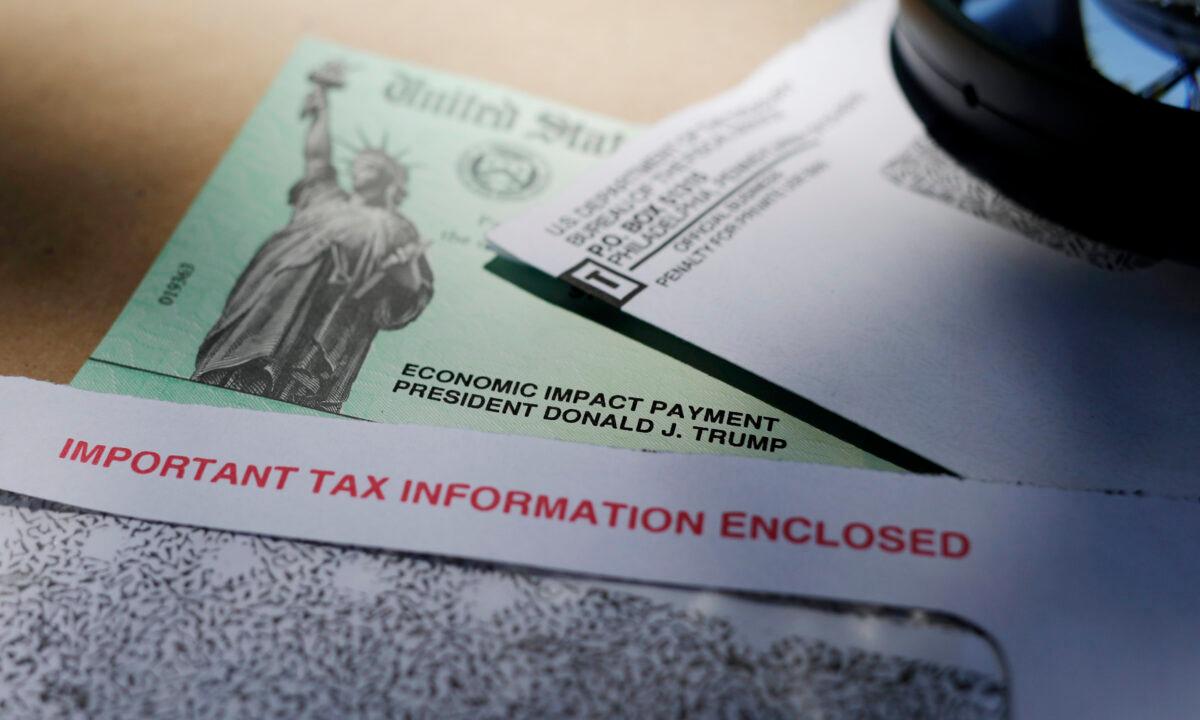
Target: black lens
x,y
1149,47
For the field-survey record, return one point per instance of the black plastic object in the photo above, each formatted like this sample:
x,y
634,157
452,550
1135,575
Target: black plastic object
x,y
1017,92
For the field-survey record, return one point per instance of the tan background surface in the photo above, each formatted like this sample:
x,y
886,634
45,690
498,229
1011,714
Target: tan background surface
x,y
113,114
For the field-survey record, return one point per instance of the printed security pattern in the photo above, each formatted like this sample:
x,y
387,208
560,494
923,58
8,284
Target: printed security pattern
x,y
928,170
108,617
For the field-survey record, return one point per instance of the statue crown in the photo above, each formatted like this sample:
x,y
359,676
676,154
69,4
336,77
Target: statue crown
x,y
377,158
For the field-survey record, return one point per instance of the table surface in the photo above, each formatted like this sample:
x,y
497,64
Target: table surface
x,y
113,114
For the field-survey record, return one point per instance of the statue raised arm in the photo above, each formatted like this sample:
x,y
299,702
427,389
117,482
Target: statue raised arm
x,y
318,145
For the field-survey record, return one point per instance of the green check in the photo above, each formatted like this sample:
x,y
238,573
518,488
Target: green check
x,y
335,263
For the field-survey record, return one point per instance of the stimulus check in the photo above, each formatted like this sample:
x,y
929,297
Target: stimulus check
x,y
335,263
804,228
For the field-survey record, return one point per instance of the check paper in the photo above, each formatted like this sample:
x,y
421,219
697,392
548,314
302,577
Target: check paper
x,y
1089,597
802,227
334,263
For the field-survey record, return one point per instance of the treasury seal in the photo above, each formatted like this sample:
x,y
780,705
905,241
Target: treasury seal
x,y
502,171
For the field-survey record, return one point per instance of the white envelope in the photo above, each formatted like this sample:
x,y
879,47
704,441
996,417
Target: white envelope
x,y
803,227
1088,599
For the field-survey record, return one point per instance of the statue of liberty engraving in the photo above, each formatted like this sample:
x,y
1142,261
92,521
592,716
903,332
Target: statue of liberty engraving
x,y
299,321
